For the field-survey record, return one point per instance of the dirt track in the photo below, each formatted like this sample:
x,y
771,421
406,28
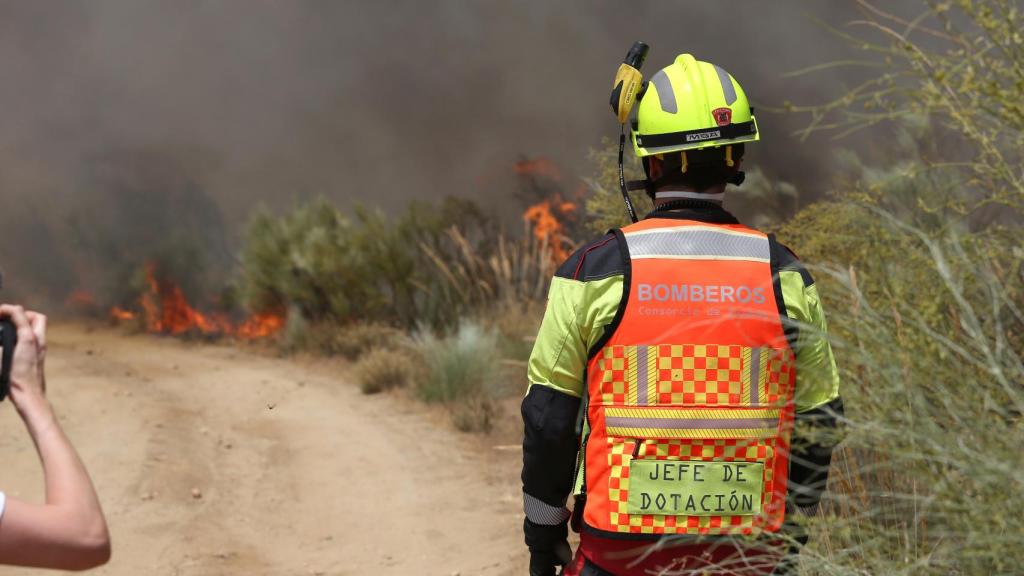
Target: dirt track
x,y
299,473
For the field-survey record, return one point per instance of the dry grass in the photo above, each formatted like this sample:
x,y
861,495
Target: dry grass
x,y
471,278
384,369
350,341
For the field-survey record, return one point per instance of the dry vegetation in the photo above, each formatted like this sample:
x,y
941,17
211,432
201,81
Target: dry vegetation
x,y
918,261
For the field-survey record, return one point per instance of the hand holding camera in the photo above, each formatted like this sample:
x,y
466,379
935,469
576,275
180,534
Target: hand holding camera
x,y
69,531
22,358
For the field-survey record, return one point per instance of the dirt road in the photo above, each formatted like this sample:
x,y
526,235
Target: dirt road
x,y
296,471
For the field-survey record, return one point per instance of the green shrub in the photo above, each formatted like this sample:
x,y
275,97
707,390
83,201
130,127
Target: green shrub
x,y
929,340
605,207
462,365
384,369
462,371
431,265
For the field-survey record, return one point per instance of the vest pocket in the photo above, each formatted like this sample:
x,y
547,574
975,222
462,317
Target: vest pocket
x,y
728,454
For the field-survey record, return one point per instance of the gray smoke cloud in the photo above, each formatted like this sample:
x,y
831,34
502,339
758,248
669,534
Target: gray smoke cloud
x,y
127,122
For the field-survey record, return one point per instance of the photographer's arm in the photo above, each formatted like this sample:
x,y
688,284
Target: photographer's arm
x,y
69,532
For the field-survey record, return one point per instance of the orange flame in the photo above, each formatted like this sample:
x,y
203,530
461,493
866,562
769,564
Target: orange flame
x,y
546,219
121,315
165,310
260,326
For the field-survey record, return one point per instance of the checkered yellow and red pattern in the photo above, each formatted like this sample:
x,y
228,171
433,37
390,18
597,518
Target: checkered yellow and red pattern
x,y
694,375
699,375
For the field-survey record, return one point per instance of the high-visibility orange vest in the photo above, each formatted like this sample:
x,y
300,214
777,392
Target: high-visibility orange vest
x,y
690,394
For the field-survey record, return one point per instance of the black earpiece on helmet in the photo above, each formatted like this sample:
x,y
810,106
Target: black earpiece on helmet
x,y
628,84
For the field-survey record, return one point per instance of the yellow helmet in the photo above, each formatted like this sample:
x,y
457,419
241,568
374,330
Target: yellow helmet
x,y
692,105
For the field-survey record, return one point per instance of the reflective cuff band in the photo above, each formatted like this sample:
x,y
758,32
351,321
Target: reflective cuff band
x,y
697,243
542,513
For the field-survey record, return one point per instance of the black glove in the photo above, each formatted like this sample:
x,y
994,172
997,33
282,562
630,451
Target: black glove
x,y
545,562
549,547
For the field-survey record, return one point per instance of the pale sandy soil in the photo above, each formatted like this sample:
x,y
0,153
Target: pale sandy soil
x,y
299,473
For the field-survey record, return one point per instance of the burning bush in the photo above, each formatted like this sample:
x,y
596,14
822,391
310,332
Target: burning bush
x,y
162,308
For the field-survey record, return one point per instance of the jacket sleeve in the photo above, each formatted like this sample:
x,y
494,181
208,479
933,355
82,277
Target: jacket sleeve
x,y
549,411
819,407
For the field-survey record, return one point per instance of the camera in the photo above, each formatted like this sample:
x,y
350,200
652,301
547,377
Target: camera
x,y
8,340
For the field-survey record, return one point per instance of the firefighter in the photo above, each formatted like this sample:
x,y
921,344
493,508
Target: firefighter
x,y
675,358
69,532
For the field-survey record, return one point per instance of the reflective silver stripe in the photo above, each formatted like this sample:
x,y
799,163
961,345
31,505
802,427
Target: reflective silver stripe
x,y
697,243
665,93
719,198
542,513
641,375
727,87
755,376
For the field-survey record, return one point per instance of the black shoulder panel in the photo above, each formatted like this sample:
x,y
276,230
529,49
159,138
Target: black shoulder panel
x,y
599,259
789,261
627,272
776,252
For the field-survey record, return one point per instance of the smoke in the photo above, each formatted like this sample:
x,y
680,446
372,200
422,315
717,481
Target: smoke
x,y
128,122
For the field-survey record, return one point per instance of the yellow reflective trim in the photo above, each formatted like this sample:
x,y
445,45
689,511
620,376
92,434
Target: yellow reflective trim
x,y
745,378
691,413
703,433
631,375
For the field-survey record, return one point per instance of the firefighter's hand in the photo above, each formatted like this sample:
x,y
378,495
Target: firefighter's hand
x,y
28,380
547,562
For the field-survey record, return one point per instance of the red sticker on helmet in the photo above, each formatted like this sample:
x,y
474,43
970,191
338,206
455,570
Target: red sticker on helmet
x,y
723,116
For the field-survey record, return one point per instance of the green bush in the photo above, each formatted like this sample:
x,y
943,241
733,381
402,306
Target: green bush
x,y
464,372
431,265
458,366
384,369
605,207
928,334
923,282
